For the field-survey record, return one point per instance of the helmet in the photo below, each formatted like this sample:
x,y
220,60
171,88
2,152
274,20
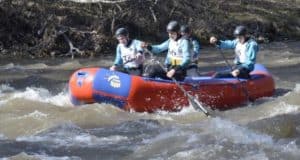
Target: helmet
x,y
240,31
173,26
121,32
185,29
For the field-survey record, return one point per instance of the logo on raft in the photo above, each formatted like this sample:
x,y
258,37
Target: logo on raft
x,y
80,77
114,81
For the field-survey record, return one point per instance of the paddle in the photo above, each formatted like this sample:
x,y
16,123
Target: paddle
x,y
194,102
228,64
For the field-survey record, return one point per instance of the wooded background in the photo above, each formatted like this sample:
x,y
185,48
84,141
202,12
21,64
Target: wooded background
x,y
44,28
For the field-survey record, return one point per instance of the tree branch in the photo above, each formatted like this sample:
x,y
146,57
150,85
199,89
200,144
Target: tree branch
x,y
72,50
153,14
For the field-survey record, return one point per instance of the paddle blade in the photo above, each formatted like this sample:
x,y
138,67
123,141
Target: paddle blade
x,y
197,105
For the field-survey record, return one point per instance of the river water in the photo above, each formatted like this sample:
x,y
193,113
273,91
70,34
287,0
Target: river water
x,y
37,120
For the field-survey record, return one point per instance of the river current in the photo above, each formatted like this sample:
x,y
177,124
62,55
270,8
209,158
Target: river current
x,y
37,120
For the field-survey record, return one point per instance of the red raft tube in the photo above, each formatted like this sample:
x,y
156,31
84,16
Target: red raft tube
x,y
140,94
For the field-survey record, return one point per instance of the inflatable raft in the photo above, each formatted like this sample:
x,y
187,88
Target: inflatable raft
x,y
90,85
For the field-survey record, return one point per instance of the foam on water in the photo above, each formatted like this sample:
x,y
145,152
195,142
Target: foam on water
x,y
169,116
297,88
215,130
2,137
7,66
36,115
38,94
201,140
10,66
169,140
183,111
45,157
2,102
238,134
290,147
72,135
5,88
36,66
199,153
256,156
282,108
24,155
186,115
217,136
82,139
68,65
163,136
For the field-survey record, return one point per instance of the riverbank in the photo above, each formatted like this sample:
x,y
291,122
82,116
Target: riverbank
x,y
38,29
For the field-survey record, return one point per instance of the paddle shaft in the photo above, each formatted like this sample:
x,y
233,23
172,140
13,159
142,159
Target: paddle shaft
x,y
191,98
231,68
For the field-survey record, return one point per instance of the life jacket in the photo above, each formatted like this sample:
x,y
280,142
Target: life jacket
x,y
194,56
128,54
241,52
175,51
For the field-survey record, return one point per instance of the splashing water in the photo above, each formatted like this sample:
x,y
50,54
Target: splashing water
x,y
37,94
